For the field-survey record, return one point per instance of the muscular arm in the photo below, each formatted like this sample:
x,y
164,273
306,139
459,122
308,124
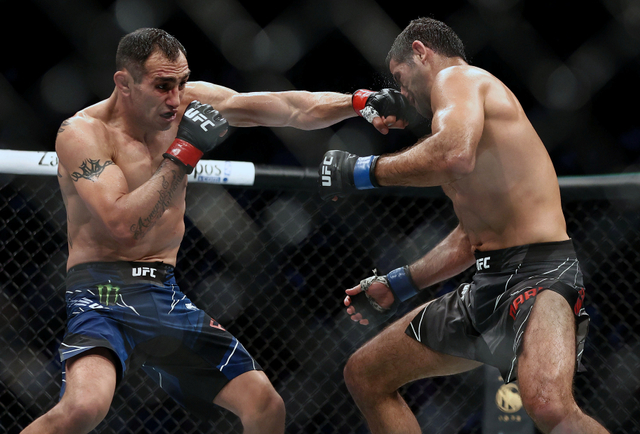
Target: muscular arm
x,y
449,153
298,109
154,197
126,215
449,258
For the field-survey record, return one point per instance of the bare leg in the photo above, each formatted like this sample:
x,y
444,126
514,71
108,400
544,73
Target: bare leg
x,y
254,400
546,368
90,385
375,372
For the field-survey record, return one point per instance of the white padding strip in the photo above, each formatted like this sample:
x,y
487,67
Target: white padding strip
x,y
207,171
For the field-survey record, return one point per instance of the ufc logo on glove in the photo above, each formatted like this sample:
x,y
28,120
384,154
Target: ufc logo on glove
x,y
196,116
326,171
194,138
341,173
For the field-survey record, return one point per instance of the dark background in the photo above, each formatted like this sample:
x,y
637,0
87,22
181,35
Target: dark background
x,y
574,66
249,253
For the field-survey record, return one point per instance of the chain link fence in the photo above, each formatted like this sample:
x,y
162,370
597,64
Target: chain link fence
x,y
271,265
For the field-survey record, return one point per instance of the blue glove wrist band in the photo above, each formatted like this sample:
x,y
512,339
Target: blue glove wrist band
x,y
362,172
401,284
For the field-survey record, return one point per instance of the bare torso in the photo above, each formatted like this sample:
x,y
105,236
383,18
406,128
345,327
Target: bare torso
x,y
89,240
512,196
149,222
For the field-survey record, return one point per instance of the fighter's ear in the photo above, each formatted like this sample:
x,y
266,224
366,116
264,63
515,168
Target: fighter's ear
x,y
421,51
123,81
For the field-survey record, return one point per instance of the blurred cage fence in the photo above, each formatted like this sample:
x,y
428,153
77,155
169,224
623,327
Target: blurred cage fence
x,y
271,261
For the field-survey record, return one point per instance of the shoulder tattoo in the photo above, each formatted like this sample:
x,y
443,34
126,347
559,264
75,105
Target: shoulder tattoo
x,y
64,125
91,170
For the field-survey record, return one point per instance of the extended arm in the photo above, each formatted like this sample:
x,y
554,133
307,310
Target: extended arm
x,y
449,258
298,109
304,110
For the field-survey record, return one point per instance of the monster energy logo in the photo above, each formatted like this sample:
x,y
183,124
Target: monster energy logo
x,y
107,294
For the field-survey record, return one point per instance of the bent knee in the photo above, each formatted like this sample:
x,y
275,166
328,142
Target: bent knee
x,y
357,375
267,404
272,404
83,414
549,411
352,372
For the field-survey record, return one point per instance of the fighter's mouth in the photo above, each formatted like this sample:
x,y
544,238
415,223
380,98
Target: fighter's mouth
x,y
168,115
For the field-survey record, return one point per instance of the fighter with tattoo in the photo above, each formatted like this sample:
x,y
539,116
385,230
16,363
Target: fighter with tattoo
x,y
122,172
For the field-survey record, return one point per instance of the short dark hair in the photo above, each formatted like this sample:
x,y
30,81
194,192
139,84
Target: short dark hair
x,y
433,34
135,48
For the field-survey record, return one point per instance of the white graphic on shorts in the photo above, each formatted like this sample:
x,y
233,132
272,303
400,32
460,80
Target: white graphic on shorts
x,y
83,304
74,348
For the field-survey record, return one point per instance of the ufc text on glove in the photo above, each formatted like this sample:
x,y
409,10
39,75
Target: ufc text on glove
x,y
201,129
342,173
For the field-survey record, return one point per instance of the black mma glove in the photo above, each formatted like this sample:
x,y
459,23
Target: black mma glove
x,y
341,173
386,102
200,130
398,281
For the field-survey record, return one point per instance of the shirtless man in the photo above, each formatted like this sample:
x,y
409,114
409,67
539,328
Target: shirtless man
x,y
523,310
122,177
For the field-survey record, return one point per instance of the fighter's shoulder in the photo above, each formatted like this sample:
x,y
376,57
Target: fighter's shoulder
x,y
82,131
464,74
214,94
85,122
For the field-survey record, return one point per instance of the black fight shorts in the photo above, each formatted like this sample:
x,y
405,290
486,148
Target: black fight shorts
x,y
485,320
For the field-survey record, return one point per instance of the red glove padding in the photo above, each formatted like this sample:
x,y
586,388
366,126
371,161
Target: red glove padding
x,y
359,100
201,129
383,103
184,153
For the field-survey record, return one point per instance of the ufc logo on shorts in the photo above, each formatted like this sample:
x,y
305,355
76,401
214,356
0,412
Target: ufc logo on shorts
x,y
143,271
483,263
326,172
196,116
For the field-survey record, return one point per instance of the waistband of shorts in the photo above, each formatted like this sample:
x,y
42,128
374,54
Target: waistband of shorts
x,y
511,257
125,271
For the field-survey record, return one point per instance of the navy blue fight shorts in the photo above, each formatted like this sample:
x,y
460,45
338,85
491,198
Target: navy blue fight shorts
x,y
138,312
485,320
